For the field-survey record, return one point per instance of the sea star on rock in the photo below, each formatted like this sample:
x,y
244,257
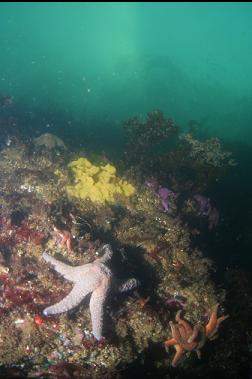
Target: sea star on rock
x,y
186,337
181,333
164,195
95,278
213,324
206,209
65,237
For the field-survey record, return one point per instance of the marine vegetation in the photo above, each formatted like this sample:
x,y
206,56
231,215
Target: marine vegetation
x,y
187,164
191,168
145,136
208,152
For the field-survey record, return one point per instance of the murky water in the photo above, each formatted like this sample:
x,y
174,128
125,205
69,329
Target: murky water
x,y
129,124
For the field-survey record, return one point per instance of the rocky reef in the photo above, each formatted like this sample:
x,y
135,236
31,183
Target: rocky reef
x,y
70,208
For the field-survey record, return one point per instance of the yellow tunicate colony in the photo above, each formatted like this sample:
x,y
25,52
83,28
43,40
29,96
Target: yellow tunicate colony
x,y
99,184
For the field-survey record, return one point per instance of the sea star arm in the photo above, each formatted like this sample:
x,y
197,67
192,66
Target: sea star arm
x,y
108,252
214,323
67,240
198,352
69,244
70,301
96,306
176,333
178,355
211,325
64,269
185,324
181,336
170,342
127,285
195,333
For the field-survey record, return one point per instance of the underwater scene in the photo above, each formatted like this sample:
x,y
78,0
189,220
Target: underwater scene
x,y
125,190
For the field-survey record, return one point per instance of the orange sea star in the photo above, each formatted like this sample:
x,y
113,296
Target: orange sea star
x,y
65,237
186,337
213,324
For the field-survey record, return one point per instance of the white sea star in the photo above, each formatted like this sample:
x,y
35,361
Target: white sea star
x,y
93,277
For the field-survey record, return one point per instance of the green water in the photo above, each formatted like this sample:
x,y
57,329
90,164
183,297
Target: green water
x,y
79,69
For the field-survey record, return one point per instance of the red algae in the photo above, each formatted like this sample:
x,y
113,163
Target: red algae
x,y
11,235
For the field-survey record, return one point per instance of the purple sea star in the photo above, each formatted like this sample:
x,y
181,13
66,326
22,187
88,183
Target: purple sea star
x,y
213,218
206,209
164,194
204,203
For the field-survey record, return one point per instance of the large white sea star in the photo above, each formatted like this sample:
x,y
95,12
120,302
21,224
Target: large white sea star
x,y
93,278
